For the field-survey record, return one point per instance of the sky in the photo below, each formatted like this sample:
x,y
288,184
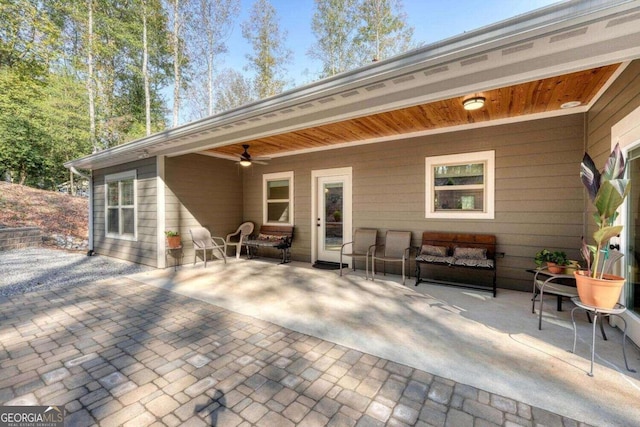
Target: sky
x,y
432,20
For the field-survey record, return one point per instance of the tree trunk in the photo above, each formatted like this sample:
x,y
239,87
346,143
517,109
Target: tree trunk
x,y
210,83
145,69
176,62
90,78
72,187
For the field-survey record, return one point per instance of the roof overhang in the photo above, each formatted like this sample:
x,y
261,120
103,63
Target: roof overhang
x,y
557,40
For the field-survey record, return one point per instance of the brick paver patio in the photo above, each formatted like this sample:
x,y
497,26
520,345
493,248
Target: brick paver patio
x,y
122,353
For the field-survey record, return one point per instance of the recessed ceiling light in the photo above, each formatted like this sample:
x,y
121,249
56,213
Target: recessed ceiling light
x,y
570,104
473,103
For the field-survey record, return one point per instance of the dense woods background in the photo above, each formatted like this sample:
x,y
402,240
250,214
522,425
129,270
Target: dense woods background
x,y
79,76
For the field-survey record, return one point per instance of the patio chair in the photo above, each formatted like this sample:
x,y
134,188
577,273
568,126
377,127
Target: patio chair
x,y
396,248
237,238
555,284
202,241
364,239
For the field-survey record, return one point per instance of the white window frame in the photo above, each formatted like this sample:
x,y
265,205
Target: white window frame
x,y
279,176
118,177
486,157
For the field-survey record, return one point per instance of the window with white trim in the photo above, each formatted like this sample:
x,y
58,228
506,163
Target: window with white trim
x,y
460,186
278,198
120,205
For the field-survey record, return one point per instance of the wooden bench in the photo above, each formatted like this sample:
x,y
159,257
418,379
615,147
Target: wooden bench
x,y
454,250
272,236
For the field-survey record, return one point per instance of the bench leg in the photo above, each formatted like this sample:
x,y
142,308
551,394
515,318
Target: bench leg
x,y
251,251
286,255
418,272
495,273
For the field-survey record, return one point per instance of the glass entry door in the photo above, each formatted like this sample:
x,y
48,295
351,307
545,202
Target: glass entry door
x,y
632,228
333,216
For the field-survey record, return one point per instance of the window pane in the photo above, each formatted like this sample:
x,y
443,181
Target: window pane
x,y
459,174
632,287
334,207
128,221
471,200
112,221
278,189
460,186
112,193
127,192
278,212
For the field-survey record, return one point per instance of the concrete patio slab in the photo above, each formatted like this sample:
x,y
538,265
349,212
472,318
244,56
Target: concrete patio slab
x,y
465,336
141,353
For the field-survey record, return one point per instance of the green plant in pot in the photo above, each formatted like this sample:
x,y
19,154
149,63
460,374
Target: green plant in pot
x,y
607,190
173,239
556,261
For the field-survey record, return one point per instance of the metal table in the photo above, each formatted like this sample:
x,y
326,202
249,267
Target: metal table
x,y
176,254
560,285
604,312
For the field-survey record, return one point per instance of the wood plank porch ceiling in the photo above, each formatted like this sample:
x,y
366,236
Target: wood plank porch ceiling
x,y
539,96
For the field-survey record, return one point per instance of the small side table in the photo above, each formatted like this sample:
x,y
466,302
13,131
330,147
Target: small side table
x,y
604,312
176,254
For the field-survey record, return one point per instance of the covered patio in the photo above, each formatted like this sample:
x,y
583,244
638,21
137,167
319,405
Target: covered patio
x,y
465,336
555,83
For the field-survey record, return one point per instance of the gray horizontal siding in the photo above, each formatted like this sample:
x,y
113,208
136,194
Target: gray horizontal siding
x,y
538,191
143,250
202,191
617,102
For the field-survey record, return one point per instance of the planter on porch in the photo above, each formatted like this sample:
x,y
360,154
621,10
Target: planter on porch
x,y
173,239
602,293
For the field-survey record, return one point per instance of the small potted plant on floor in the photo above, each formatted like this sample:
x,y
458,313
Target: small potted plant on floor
x,y
173,239
607,190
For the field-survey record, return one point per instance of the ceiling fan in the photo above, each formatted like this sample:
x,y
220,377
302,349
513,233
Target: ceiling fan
x,y
247,160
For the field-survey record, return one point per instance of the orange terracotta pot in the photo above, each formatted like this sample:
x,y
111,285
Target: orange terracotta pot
x,y
603,293
173,241
555,268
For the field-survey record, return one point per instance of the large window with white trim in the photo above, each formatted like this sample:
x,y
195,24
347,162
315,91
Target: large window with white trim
x,y
460,186
120,205
278,198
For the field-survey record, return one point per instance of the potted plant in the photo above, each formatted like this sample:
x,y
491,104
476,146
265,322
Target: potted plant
x,y
173,239
556,261
607,190
542,257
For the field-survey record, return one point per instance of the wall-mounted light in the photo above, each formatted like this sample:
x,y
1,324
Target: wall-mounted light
x,y
473,103
245,163
144,154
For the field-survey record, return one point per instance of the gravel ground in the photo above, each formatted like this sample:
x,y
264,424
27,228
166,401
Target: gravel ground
x,y
37,269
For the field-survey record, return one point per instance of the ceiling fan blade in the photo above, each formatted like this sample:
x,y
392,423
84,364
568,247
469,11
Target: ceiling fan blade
x,y
246,157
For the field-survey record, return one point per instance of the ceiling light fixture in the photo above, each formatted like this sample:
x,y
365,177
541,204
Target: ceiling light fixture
x,y
473,103
245,162
570,104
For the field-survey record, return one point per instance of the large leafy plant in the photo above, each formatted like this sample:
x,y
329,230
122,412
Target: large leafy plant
x,y
607,191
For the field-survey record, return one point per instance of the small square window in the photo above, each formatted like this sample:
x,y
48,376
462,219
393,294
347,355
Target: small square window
x,y
278,198
460,186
